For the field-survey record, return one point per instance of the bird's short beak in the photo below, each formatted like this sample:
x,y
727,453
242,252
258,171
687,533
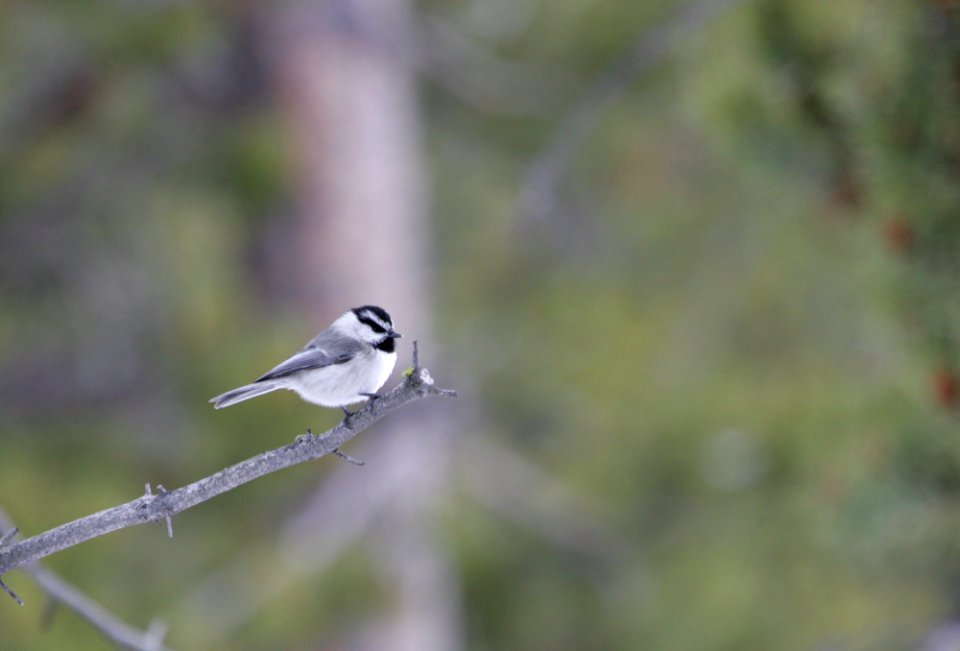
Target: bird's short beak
x,y
394,335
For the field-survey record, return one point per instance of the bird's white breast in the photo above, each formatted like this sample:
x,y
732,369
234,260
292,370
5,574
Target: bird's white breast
x,y
338,385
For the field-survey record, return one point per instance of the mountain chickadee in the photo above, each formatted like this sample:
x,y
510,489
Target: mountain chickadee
x,y
344,364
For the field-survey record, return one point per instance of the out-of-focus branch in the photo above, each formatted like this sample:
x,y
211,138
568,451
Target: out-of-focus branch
x,y
441,53
114,629
153,508
109,625
518,490
545,174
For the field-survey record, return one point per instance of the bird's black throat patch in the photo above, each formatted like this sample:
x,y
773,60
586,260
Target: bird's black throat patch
x,y
388,345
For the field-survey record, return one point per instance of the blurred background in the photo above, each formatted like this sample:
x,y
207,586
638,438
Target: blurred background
x,y
693,267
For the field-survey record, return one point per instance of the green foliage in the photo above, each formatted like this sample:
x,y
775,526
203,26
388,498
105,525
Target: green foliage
x,y
738,333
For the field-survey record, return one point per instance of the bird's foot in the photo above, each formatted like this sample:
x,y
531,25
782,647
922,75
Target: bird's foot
x,y
347,415
372,397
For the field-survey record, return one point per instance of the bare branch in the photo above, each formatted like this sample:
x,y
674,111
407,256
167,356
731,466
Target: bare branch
x,y
59,591
546,172
154,508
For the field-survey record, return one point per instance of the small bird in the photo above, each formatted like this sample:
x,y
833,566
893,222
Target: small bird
x,y
343,365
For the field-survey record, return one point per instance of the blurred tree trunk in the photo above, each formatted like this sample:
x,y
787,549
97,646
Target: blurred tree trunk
x,y
355,120
363,237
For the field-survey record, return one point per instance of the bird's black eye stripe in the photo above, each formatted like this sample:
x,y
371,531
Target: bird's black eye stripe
x,y
376,327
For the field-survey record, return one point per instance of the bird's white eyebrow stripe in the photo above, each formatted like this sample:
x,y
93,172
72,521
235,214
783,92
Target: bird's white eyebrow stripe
x,y
375,324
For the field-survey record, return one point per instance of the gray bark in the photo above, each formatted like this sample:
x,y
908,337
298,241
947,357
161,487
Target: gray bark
x,y
160,507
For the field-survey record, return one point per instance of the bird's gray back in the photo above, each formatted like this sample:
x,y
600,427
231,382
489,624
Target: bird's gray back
x,y
334,343
323,350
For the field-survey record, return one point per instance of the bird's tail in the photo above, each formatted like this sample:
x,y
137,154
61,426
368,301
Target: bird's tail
x,y
243,393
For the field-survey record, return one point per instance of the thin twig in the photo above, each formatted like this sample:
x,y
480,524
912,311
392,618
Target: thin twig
x,y
8,536
153,508
346,457
161,491
10,592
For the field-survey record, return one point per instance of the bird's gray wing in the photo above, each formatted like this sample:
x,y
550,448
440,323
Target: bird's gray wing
x,y
336,350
